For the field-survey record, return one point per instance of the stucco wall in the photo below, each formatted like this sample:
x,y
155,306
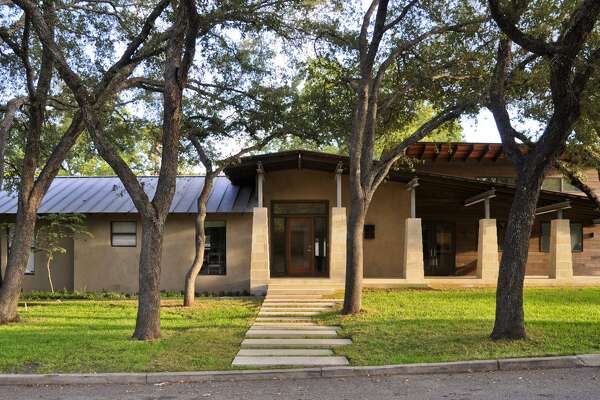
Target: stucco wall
x,y
61,268
99,266
389,209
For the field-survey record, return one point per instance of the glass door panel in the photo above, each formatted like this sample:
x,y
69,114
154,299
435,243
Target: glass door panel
x,y
300,244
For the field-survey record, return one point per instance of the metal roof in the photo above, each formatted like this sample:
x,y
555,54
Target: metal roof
x,y
106,194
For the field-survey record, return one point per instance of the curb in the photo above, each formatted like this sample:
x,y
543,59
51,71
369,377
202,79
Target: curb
x,y
510,364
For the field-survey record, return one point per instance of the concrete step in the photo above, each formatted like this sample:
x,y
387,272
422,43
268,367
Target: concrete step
x,y
301,309
282,333
285,352
287,314
298,304
298,300
301,291
290,361
283,319
295,342
310,327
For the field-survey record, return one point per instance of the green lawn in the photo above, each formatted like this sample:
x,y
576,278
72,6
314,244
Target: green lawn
x,y
94,336
410,326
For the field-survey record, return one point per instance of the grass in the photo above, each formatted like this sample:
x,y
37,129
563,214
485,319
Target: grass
x,y
411,326
94,336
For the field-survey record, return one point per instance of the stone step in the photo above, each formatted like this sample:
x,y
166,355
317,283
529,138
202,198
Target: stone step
x,y
295,342
300,300
281,333
310,327
303,291
283,319
287,313
285,352
279,309
297,304
289,361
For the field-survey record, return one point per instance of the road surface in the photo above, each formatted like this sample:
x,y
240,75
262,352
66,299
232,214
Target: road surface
x,y
582,383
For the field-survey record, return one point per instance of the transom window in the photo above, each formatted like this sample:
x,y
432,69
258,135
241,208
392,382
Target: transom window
x,y
123,233
215,248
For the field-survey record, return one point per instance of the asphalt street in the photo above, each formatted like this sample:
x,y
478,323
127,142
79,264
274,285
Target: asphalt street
x,y
582,383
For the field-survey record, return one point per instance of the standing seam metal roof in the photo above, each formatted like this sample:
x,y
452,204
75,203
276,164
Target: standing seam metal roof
x,y
106,194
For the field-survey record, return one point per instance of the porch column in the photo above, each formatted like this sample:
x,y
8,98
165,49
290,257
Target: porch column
x,y
259,256
561,258
337,248
414,271
487,250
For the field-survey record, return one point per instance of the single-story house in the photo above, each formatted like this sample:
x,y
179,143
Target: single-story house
x,y
279,220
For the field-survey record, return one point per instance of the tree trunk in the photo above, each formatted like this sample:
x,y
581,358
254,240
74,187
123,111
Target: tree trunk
x,y
48,261
17,263
200,241
147,325
510,319
354,257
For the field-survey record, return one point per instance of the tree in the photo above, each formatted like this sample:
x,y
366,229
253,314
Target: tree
x,y
53,230
35,176
401,55
569,60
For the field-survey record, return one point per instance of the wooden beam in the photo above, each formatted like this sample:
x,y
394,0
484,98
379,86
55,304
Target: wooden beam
x,y
480,197
498,154
486,149
413,183
469,152
553,207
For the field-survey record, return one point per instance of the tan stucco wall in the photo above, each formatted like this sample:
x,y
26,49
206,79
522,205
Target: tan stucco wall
x,y
99,266
61,267
389,209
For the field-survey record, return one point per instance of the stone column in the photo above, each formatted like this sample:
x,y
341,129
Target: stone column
x,y
259,256
487,251
561,258
414,271
337,246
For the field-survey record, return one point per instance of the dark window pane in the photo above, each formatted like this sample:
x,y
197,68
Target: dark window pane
x,y
576,237
278,244
215,249
321,250
369,232
501,232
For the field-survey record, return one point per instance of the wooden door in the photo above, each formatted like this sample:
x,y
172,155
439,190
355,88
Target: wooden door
x,y
300,242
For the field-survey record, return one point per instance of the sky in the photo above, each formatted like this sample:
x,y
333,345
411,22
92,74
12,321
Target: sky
x,y
481,128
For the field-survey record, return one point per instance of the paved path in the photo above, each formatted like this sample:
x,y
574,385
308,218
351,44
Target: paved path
x,y
563,384
285,335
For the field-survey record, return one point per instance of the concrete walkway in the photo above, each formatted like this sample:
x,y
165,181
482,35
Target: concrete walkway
x,y
284,333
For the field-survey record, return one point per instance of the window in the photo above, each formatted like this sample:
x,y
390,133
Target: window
x,y
553,183
30,268
369,232
558,184
501,233
215,248
123,234
576,237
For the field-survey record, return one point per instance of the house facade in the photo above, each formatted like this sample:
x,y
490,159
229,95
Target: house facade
x,y
279,220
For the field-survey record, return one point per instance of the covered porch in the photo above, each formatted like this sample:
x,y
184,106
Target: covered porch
x,y
423,229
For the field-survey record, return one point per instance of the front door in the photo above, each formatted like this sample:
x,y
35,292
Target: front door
x,y
300,241
439,255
